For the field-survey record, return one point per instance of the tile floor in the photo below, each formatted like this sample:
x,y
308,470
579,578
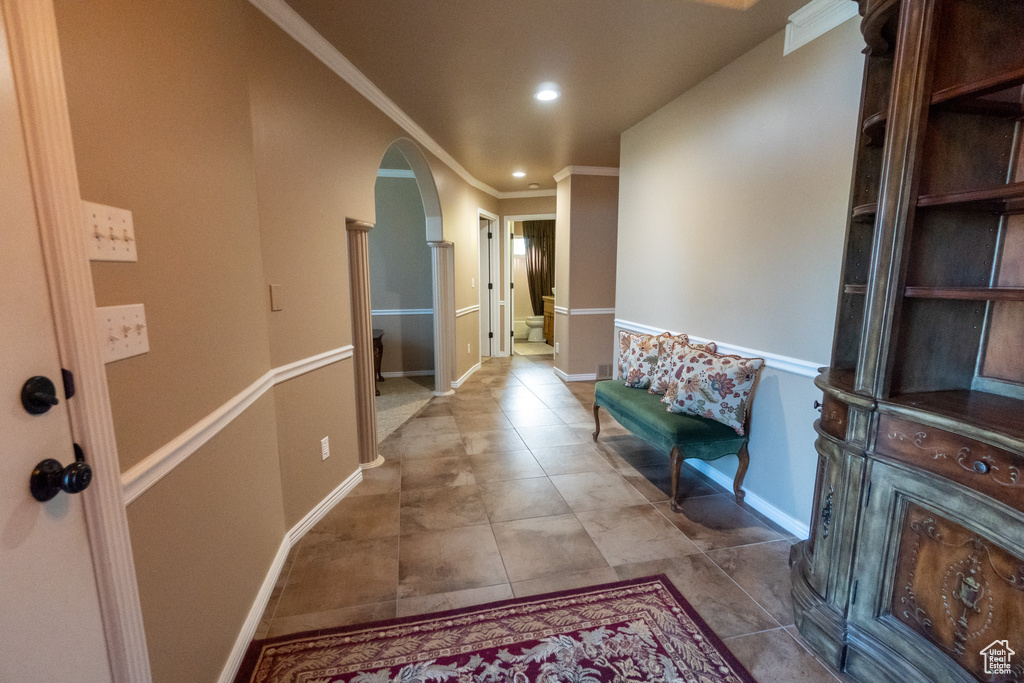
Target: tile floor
x,y
500,491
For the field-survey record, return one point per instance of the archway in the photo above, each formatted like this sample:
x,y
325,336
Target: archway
x,y
442,264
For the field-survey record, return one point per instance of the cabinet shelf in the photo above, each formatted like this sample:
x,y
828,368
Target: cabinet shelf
x,y
1007,199
855,289
865,213
968,97
1000,414
967,293
874,129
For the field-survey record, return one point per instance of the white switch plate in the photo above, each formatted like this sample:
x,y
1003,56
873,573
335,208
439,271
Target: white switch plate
x,y
109,232
325,448
556,347
123,331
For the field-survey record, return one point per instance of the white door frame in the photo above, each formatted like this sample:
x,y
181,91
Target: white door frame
x,y
493,312
39,81
507,229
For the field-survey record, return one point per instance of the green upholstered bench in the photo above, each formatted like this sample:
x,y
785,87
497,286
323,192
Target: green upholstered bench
x,y
684,436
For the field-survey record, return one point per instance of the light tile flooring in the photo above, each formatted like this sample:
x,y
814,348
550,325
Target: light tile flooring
x,y
500,491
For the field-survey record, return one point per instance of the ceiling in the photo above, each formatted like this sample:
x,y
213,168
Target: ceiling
x,y
466,70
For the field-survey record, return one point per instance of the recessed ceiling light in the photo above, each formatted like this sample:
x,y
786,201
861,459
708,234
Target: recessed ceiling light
x,y
519,174
547,92
534,186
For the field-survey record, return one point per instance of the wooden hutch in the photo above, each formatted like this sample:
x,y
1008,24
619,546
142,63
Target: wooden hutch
x,y
914,569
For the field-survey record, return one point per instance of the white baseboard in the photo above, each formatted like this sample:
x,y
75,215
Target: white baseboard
x,y
462,380
790,524
407,373
252,621
588,377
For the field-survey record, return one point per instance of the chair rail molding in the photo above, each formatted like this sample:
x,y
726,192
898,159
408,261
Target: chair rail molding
x,y
402,311
775,361
157,465
591,311
467,310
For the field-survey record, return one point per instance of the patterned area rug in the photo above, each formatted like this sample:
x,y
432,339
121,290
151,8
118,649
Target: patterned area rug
x,y
639,630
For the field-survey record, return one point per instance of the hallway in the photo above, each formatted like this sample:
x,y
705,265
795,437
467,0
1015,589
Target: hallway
x,y
500,491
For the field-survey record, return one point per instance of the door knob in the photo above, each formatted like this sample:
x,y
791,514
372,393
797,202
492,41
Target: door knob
x,y
38,395
50,477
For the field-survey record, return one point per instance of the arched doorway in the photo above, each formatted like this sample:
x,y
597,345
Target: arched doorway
x,y
441,260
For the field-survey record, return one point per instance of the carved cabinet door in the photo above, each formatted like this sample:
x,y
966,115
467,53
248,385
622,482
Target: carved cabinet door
x,y
938,570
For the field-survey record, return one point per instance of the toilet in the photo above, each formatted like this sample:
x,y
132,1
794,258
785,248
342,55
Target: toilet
x,y
536,325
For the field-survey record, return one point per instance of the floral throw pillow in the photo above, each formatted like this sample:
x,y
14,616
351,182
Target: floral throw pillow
x,y
714,386
638,357
670,354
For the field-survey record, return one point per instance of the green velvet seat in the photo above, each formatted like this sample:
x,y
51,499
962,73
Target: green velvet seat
x,y
684,436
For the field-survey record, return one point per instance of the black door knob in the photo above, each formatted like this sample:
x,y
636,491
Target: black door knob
x,y
38,395
50,477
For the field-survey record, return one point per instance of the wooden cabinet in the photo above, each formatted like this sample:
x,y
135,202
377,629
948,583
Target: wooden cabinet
x,y
549,319
915,562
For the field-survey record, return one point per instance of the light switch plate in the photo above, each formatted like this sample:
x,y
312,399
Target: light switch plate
x,y
276,298
123,331
109,232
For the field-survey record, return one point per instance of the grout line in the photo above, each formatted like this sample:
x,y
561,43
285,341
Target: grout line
x,y
754,633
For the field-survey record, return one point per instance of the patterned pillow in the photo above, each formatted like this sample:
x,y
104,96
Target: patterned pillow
x,y
638,356
714,386
670,353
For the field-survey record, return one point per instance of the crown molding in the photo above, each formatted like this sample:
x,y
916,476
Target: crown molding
x,y
298,28
526,194
815,19
585,170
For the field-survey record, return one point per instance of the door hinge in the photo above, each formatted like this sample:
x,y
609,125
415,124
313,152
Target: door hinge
x,y
69,382
511,333
867,496
489,235
490,285
490,335
511,285
853,593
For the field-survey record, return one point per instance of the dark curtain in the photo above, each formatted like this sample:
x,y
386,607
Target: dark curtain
x,y
540,261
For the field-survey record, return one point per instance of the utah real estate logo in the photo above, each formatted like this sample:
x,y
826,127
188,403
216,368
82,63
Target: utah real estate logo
x,y
997,657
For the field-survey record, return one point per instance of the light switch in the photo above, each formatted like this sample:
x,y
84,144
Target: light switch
x,y
109,232
123,331
276,301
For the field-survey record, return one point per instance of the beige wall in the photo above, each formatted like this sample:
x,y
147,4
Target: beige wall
x,y
240,156
733,202
585,253
401,277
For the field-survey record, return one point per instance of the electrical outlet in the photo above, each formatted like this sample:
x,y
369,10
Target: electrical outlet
x,y
109,232
472,282
325,448
123,331
467,349
556,347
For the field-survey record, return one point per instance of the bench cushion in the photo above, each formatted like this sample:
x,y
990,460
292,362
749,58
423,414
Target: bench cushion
x,y
644,415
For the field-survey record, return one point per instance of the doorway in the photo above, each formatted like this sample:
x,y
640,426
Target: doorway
x,y
517,297
489,285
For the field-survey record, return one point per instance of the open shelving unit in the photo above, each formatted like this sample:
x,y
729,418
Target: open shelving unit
x,y
922,422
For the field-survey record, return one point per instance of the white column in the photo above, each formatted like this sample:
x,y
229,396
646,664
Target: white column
x,y
442,263
362,341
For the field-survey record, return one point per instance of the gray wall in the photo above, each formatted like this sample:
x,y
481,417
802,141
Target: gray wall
x,y
732,215
400,276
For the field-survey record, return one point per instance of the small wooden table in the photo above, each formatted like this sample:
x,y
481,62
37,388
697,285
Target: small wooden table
x,y
378,353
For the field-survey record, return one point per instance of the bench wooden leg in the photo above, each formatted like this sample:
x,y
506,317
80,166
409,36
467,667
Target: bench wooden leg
x,y
597,422
741,471
676,465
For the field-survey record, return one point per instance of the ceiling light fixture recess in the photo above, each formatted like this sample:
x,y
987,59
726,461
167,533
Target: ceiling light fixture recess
x,y
547,92
534,186
519,174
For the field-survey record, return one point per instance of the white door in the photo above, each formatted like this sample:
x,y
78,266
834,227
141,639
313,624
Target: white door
x,y
485,284
50,627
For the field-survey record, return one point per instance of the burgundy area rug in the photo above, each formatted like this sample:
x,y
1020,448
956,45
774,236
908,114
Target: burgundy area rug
x,y
639,630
